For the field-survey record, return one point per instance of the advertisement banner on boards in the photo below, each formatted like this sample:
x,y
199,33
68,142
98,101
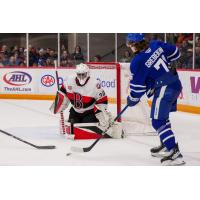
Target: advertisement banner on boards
x,y
191,88
17,81
42,81
47,83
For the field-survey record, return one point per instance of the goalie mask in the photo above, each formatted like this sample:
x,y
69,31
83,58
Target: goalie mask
x,y
82,73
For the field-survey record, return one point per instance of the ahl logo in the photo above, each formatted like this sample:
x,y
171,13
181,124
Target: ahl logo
x,y
47,80
17,78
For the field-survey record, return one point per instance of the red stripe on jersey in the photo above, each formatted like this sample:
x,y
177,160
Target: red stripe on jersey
x,y
70,96
102,100
84,99
84,135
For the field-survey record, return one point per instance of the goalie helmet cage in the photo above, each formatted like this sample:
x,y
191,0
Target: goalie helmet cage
x,y
115,79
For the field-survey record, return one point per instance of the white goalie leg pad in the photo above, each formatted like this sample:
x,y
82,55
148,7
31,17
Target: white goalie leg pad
x,y
103,115
105,120
115,131
102,119
61,103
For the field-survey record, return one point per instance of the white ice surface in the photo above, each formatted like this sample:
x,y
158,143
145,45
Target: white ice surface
x,y
32,121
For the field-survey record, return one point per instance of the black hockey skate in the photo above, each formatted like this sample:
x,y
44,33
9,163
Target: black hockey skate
x,y
159,151
175,158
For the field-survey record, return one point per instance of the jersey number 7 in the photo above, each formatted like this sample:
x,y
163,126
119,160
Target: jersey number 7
x,y
161,63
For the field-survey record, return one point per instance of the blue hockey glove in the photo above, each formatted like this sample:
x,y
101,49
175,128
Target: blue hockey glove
x,y
132,101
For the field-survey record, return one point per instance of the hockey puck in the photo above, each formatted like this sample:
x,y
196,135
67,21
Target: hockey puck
x,y
68,154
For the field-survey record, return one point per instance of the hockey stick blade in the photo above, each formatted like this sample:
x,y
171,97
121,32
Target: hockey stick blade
x,y
77,149
26,142
84,149
45,147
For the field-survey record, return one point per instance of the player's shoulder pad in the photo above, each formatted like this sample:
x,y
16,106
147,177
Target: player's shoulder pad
x,y
156,43
135,63
69,82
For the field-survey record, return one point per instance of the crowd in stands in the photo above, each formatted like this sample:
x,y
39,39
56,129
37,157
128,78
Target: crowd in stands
x,y
197,53
14,56
68,59
46,57
126,58
38,57
185,43
41,57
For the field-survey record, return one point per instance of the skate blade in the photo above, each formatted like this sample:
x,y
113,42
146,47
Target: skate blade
x,y
160,154
176,162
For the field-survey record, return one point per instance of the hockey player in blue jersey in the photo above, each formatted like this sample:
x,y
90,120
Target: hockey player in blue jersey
x,y
152,74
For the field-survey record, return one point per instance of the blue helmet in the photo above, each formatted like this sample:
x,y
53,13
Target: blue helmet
x,y
135,37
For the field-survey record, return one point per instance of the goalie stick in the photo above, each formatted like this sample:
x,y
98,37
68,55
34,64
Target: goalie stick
x,y
62,119
87,149
33,145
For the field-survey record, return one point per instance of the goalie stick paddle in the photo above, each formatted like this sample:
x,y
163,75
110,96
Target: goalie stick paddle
x,y
87,149
33,145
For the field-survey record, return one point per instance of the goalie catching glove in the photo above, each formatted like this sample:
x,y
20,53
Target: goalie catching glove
x,y
105,120
61,103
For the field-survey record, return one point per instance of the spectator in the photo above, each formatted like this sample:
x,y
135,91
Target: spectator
x,y
77,55
197,42
185,60
49,62
48,52
197,53
33,56
12,61
5,59
52,54
1,60
97,58
14,50
63,48
65,58
126,57
18,60
21,51
42,58
4,50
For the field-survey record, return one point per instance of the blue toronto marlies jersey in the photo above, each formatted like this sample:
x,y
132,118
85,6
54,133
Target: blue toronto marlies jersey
x,y
151,65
